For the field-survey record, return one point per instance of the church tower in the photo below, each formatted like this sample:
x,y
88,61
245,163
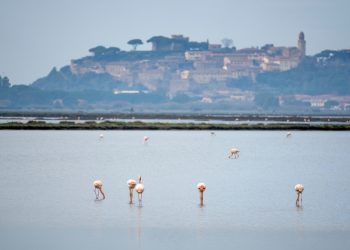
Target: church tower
x,y
302,44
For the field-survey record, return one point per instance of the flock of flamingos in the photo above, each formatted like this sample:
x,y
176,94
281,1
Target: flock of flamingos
x,y
139,187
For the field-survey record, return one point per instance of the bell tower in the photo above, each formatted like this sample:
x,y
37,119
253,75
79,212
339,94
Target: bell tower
x,y
302,44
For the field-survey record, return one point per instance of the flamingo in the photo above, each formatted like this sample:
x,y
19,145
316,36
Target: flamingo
x,y
234,152
201,188
299,188
98,188
139,189
145,139
131,185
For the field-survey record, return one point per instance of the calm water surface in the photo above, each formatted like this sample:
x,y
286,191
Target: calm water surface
x,y
47,199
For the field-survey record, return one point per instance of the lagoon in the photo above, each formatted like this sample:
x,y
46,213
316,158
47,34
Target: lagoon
x,y
47,199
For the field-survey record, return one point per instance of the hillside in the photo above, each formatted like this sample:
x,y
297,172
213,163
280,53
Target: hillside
x,y
327,73
111,79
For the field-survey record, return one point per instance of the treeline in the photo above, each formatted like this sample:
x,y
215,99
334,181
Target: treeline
x,y
4,83
23,96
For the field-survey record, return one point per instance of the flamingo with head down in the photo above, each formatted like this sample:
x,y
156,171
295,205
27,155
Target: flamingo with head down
x,y
131,185
299,188
98,189
234,152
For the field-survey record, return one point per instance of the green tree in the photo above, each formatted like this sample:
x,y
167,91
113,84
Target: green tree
x,y
227,42
135,42
4,82
98,51
111,51
159,40
103,52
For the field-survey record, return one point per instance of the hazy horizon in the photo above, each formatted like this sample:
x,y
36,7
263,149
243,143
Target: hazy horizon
x,y
39,35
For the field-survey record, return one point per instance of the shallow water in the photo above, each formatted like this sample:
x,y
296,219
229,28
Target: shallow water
x,y
47,199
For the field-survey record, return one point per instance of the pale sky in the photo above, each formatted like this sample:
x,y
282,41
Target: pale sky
x,y
37,35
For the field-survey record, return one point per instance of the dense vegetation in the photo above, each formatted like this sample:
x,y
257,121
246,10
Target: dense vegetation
x,y
168,126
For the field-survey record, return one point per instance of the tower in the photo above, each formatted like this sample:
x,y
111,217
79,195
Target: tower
x,y
302,44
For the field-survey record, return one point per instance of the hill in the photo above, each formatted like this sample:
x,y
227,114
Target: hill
x,y
204,79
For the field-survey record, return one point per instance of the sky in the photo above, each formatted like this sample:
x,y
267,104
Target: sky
x,y
37,35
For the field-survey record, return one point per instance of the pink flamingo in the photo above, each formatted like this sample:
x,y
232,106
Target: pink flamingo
x,y
145,139
131,185
234,152
201,188
299,188
98,189
139,189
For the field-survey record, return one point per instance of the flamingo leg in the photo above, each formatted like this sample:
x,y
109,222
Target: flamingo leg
x,y
103,194
130,195
96,194
298,199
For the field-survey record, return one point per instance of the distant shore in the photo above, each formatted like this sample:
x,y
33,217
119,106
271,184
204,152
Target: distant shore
x,y
169,121
137,125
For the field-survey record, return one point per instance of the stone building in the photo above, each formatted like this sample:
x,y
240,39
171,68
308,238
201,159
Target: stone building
x,y
302,44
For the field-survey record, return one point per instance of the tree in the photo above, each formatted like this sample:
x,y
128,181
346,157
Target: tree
x,y
135,42
98,51
227,42
4,82
159,39
111,51
101,51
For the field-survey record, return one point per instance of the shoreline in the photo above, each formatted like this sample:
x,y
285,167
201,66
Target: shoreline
x,y
137,125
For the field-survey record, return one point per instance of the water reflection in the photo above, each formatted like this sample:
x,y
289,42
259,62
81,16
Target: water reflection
x,y
299,221
66,161
135,224
139,225
201,215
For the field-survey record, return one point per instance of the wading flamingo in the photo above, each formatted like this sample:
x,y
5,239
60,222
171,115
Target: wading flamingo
x,y
201,188
234,152
145,139
98,189
299,188
139,189
131,185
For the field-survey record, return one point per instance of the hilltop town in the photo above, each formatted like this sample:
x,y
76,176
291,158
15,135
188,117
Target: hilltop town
x,y
188,75
177,64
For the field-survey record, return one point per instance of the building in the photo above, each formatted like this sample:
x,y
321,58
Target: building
x,y
302,44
